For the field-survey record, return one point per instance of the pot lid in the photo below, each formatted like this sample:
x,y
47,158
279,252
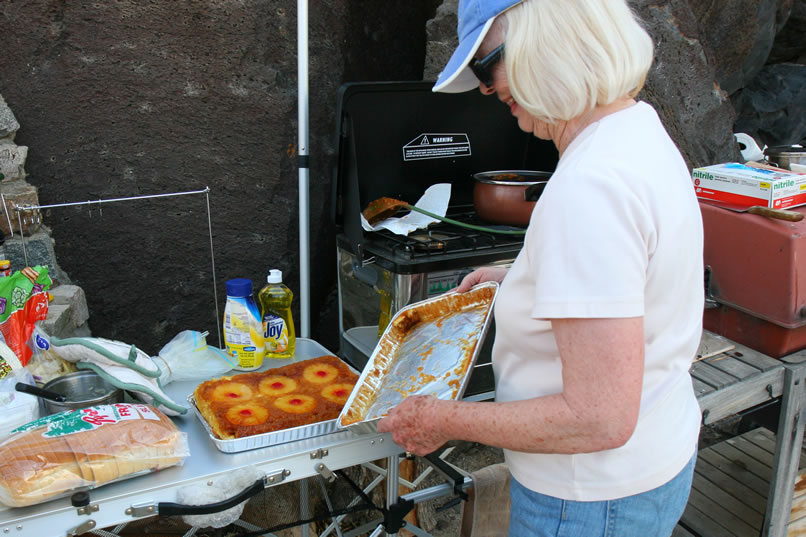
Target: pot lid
x,y
512,177
795,149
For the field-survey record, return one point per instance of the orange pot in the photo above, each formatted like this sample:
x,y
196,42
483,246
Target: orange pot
x,y
508,196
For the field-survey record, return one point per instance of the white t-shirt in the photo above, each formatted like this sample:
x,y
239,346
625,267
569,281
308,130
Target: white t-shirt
x,y
616,233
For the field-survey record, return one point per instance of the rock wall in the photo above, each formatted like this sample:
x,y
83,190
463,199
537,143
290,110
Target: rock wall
x,y
127,98
758,50
721,66
24,241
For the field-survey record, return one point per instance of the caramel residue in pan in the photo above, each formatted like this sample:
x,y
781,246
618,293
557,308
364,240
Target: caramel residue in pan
x,y
405,323
425,378
407,319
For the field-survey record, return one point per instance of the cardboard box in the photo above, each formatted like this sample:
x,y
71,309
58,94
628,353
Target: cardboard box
x,y
746,186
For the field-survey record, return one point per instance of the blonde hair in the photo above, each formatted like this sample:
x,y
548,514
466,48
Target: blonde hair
x,y
563,57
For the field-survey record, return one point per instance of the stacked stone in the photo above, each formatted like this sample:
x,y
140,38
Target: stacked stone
x,y
15,190
26,242
68,313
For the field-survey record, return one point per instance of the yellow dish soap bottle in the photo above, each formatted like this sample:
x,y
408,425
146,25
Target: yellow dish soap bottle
x,y
275,310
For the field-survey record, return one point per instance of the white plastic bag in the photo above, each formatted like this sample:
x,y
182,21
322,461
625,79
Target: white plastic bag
x,y
46,364
16,408
188,357
222,488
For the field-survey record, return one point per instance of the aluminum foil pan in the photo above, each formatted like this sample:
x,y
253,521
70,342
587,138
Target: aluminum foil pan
x,y
272,438
266,439
429,348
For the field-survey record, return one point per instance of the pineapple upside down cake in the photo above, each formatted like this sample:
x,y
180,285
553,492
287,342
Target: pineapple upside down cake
x,y
265,401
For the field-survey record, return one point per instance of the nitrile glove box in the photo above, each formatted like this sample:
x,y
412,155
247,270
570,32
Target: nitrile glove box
x,y
747,186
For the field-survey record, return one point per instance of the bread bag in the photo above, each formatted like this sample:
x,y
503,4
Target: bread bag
x,y
82,449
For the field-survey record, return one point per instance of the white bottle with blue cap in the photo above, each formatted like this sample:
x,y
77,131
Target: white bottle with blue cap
x,y
243,329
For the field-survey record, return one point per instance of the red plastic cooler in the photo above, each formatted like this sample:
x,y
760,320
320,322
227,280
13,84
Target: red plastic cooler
x,y
756,269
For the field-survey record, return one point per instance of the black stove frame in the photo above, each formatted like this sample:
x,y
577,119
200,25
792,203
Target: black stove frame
x,y
385,136
379,122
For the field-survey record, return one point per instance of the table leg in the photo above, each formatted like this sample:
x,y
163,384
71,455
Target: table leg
x,y
787,451
392,484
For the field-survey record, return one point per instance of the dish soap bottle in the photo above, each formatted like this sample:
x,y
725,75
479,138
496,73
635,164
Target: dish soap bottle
x,y
243,332
275,310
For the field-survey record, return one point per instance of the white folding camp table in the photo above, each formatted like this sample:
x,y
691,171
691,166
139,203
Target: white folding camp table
x,y
141,496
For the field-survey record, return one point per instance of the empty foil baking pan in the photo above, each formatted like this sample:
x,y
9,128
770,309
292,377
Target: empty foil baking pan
x,y
429,348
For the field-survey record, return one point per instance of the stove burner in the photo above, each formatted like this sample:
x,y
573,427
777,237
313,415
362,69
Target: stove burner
x,y
431,241
424,243
441,246
440,239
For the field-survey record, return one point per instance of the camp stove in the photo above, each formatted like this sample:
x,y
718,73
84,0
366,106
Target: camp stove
x,y
396,139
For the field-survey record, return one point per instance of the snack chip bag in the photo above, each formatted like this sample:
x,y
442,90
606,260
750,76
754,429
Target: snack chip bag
x,y
23,302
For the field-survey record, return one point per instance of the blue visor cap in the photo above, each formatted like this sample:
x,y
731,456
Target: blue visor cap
x,y
475,19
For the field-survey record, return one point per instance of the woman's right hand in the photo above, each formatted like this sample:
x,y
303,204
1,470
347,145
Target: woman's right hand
x,y
483,274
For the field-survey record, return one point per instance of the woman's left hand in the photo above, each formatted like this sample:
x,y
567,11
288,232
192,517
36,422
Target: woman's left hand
x,y
415,424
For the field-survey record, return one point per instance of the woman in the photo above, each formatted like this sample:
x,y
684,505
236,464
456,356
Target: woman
x,y
600,315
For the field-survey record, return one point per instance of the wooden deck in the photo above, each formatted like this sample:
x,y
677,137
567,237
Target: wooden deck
x,y
680,531
743,487
797,518
731,481
731,382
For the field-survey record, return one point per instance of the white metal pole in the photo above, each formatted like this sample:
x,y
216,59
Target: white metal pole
x,y
304,169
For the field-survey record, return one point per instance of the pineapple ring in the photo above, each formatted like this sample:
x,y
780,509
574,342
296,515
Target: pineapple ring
x,y
295,403
320,373
277,385
247,414
338,393
231,392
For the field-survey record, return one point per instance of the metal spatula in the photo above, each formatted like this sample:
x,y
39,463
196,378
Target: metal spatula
x,y
383,208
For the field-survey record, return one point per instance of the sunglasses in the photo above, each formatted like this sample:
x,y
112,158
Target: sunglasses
x,y
481,68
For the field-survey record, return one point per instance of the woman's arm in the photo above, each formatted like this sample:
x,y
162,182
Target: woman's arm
x,y
603,366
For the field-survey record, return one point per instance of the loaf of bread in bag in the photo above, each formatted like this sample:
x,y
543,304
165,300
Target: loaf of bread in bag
x,y
41,463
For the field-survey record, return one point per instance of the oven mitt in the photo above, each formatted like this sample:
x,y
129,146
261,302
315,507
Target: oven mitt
x,y
435,200
124,366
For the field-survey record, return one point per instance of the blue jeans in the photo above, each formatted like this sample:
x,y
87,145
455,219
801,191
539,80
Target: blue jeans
x,y
649,514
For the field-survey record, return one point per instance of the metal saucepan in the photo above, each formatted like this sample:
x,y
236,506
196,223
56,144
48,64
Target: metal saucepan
x,y
784,156
780,156
81,389
508,196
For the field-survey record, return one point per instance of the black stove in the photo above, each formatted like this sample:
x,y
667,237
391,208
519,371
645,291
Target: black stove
x,y
395,140
440,246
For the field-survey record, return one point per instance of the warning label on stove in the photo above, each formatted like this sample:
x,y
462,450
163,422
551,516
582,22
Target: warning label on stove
x,y
428,146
